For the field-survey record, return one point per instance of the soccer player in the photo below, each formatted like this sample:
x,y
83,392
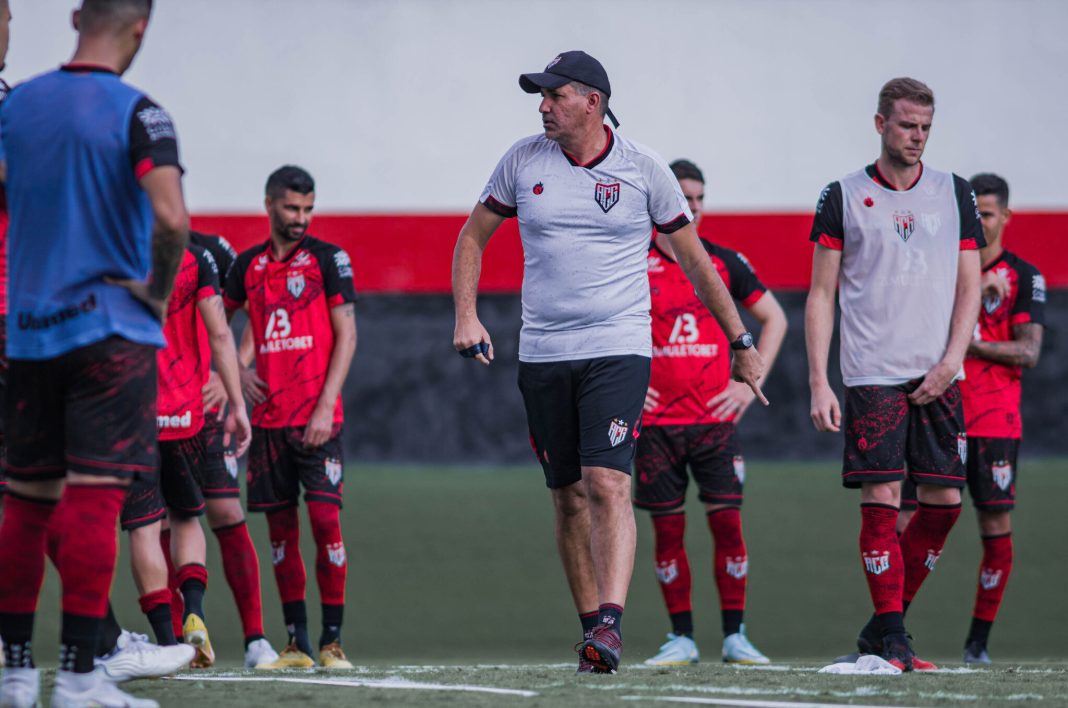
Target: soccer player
x,y
1007,340
899,242
586,199
691,411
94,184
299,295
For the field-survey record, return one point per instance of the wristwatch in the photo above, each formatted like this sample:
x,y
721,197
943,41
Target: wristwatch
x,y
744,341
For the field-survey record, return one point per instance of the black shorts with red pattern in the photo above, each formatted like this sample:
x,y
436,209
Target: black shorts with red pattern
x,y
279,464
885,435
668,454
991,475
91,411
218,480
178,488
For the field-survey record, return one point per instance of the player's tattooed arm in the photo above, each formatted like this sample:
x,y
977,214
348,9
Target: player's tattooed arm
x,y
170,233
1023,350
320,426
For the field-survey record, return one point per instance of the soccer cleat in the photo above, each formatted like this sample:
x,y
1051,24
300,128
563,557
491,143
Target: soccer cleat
x,y
898,651
332,657
195,633
975,653
259,653
290,658
603,649
93,689
870,639
19,688
678,650
737,649
134,657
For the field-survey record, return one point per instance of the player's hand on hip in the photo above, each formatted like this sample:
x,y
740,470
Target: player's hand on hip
x,y
732,401
826,414
934,384
254,388
652,400
748,368
214,394
140,290
237,425
320,427
472,340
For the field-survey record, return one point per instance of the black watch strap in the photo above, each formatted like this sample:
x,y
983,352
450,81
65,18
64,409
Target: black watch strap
x,y
744,341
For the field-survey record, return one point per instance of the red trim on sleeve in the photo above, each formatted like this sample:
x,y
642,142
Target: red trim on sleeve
x,y
1021,318
335,300
207,291
232,304
143,167
754,298
830,242
968,244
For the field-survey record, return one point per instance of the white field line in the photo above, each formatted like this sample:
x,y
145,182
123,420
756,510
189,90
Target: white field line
x,y
859,692
367,683
742,703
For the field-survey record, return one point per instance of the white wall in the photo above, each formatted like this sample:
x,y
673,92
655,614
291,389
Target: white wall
x,y
405,105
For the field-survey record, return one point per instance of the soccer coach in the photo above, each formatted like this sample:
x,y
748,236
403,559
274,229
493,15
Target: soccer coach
x,y
587,201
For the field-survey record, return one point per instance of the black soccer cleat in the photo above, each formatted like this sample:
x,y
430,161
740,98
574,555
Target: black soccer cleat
x,y
975,653
870,639
898,651
603,649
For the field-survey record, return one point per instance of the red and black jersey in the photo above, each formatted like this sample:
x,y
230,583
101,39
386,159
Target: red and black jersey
x,y
182,366
691,354
224,255
991,390
289,305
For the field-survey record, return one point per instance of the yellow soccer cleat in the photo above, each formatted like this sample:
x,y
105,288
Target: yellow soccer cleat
x,y
289,658
332,657
196,634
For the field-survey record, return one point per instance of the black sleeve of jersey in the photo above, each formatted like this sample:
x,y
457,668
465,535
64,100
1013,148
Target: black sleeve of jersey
x,y
219,248
337,276
1030,305
153,139
234,289
827,226
207,271
745,285
971,229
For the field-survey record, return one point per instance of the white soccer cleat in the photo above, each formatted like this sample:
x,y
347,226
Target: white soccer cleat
x,y
135,657
737,649
678,650
93,689
259,653
19,688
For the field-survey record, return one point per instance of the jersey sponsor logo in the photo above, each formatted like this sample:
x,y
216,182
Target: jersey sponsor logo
x,y
157,124
278,552
276,336
931,222
617,431
231,465
28,321
932,558
1002,474
739,468
295,284
332,467
655,264
962,448
343,263
698,350
225,245
171,422
302,259
667,572
737,567
904,224
990,578
1038,288
685,329
876,562
606,195
538,188
335,554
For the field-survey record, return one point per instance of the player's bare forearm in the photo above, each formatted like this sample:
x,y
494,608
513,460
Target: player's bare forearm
x,y
246,353
1023,350
467,259
819,312
223,352
965,309
709,287
343,321
769,314
170,231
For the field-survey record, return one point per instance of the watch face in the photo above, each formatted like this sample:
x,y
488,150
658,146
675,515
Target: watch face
x,y
747,340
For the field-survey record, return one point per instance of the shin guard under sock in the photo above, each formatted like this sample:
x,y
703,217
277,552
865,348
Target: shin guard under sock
x,y
284,529
242,569
922,542
731,559
881,556
673,569
331,565
88,549
994,573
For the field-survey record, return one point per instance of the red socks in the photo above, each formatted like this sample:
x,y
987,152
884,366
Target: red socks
x,y
881,555
22,552
242,569
284,529
86,560
672,565
993,575
731,560
177,603
922,543
331,565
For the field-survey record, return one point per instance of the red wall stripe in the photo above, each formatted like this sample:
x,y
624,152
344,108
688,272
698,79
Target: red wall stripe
x,y
412,253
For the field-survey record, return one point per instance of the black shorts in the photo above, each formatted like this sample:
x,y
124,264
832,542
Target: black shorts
x,y
218,480
991,475
177,489
710,451
91,411
279,464
144,505
884,434
584,413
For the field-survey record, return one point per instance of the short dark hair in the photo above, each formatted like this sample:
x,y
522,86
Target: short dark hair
x,y
289,178
684,169
989,183
97,15
906,88
585,90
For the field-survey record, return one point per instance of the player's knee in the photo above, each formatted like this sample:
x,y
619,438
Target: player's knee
x,y
888,493
995,523
224,512
931,494
606,486
571,501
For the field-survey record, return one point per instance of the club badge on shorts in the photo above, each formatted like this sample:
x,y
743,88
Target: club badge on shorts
x,y
962,448
904,224
739,468
333,470
1002,473
617,431
606,195
231,465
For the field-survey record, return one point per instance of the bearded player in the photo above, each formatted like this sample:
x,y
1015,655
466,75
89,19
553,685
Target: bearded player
x,y
690,418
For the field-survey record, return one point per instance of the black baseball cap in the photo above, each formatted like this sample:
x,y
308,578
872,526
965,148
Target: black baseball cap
x,y
575,65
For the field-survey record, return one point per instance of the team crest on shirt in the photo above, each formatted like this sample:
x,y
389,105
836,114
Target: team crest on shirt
x,y
989,578
1002,473
667,572
962,448
606,195
904,224
991,303
295,284
333,470
617,431
876,562
739,468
